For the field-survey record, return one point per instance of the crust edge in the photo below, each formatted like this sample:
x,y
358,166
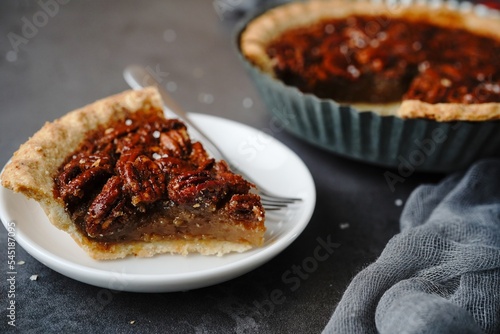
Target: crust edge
x,y
34,165
447,112
149,249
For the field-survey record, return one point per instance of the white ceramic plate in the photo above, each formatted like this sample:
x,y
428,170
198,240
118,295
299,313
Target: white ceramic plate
x,y
267,161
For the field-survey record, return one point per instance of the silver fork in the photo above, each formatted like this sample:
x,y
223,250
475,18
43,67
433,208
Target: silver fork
x,y
138,77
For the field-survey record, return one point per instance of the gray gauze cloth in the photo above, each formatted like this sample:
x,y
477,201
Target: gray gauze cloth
x,y
441,274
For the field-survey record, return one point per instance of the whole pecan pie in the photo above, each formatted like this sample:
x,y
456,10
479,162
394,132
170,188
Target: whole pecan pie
x,y
415,61
122,180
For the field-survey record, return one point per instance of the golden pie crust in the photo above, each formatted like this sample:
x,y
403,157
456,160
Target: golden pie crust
x,y
34,167
264,29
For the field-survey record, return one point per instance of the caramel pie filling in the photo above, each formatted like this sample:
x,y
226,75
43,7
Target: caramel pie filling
x,y
382,60
143,179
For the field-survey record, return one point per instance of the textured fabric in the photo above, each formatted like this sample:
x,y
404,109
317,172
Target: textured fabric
x,y
441,274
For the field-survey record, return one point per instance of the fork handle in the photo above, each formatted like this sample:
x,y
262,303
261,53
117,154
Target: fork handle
x,y
138,77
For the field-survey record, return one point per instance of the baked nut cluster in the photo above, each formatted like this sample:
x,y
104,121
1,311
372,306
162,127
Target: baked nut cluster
x,y
386,59
145,164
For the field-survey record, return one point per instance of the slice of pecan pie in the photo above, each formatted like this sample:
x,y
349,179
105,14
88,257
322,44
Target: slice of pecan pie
x,y
414,60
122,180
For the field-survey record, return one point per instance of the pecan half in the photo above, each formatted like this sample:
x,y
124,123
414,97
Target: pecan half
x,y
142,178
235,182
105,209
176,141
245,206
82,173
130,168
188,187
199,157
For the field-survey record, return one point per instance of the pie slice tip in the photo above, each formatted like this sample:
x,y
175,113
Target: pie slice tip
x,y
34,164
151,189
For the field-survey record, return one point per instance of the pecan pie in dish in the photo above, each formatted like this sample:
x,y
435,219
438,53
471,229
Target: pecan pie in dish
x,y
413,61
122,180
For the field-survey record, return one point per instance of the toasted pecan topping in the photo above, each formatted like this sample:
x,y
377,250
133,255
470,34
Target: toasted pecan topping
x,y
381,59
141,165
142,178
243,206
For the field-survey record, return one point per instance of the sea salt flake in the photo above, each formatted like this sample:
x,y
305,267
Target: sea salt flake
x,y
495,88
33,277
171,86
11,56
353,71
382,36
169,35
247,103
329,28
206,98
468,97
344,49
445,82
360,42
423,66
344,226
